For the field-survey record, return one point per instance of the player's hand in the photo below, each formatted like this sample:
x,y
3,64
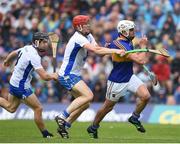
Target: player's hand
x,y
120,52
55,76
143,41
6,63
153,78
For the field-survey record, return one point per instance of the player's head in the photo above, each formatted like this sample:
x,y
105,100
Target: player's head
x,y
126,28
40,41
81,23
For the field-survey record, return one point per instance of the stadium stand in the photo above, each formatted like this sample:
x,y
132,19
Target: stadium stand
x,y
159,20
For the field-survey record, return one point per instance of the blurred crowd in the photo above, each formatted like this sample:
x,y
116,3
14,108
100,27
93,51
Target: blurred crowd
x,y
158,19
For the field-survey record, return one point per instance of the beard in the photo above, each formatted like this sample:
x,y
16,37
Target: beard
x,y
86,33
131,38
42,52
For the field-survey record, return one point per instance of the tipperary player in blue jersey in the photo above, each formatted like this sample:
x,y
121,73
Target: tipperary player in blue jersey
x,y
122,79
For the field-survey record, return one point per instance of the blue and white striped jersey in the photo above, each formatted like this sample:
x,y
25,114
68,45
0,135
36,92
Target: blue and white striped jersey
x,y
75,55
28,60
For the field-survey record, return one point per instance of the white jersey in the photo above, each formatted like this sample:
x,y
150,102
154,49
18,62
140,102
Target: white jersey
x,y
75,55
28,60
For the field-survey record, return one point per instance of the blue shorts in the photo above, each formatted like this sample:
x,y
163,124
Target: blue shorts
x,y
69,81
19,92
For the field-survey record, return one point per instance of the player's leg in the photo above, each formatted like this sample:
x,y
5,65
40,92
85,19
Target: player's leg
x,y
83,96
34,103
143,97
11,104
114,92
79,90
136,86
74,115
106,108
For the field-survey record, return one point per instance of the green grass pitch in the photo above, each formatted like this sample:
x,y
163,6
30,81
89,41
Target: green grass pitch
x,y
25,131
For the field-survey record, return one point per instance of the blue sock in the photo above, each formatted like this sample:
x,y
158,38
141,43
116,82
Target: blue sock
x,y
67,125
64,115
135,115
45,133
94,127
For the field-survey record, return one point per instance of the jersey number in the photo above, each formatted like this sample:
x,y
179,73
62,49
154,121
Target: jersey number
x,y
19,55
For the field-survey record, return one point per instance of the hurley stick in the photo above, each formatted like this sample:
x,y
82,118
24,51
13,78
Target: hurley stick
x,y
54,38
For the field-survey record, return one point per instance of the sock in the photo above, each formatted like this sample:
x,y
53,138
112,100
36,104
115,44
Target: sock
x,y
67,125
94,127
45,133
135,115
64,115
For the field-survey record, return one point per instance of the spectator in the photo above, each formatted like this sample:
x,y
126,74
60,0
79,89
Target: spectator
x,y
162,70
159,20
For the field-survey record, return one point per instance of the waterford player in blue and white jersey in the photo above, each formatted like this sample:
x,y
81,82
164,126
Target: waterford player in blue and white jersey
x,y
28,60
70,71
122,79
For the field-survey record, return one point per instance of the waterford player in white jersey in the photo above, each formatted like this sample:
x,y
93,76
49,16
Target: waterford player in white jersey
x,y
122,79
28,60
70,71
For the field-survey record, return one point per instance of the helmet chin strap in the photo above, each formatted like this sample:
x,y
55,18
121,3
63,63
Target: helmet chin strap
x,y
40,51
79,28
127,33
127,37
36,43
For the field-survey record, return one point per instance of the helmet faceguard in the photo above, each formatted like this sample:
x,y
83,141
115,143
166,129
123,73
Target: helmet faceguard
x,y
124,26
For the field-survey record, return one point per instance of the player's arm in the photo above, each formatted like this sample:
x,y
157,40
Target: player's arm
x,y
102,50
9,58
46,76
36,62
140,58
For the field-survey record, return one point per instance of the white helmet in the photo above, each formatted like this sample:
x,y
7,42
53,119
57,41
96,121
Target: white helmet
x,y
125,26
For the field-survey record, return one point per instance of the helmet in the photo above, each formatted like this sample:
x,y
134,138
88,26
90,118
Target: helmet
x,y
42,51
125,26
80,20
40,36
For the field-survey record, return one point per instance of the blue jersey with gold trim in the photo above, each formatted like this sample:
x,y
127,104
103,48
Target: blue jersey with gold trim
x,y
122,68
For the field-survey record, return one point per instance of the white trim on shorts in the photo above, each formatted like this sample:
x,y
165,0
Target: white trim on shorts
x,y
117,90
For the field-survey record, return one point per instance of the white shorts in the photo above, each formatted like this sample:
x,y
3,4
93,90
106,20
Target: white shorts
x,y
117,90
